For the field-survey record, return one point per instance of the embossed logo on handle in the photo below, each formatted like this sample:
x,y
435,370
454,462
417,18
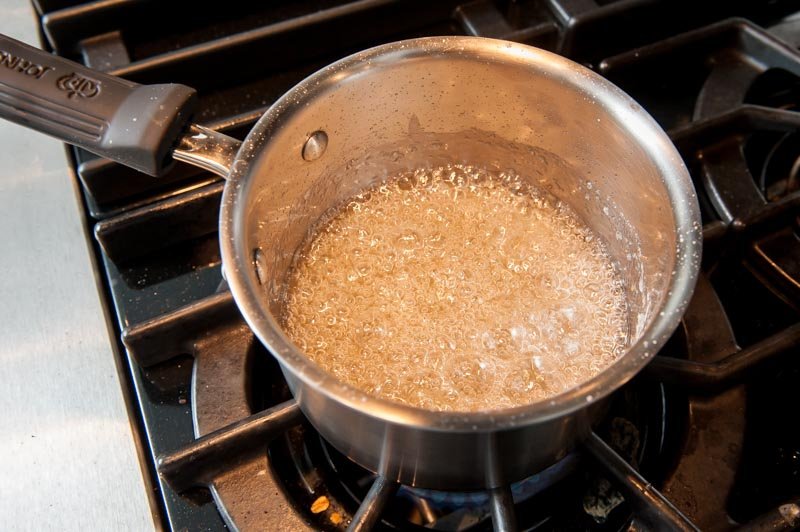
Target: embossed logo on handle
x,y
77,86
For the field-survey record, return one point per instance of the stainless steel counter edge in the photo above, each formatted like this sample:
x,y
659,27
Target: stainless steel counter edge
x,y
68,460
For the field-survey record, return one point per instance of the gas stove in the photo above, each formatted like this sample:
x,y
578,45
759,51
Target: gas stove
x,y
705,437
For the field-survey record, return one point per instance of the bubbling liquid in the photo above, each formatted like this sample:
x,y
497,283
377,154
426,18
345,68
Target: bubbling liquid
x,y
456,288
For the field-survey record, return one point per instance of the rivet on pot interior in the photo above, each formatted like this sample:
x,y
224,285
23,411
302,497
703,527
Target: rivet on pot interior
x,y
258,263
315,145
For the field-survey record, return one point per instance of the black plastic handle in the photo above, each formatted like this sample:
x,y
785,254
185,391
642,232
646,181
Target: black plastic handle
x,y
135,125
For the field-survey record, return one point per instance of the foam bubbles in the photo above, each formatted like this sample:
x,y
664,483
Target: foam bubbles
x,y
457,288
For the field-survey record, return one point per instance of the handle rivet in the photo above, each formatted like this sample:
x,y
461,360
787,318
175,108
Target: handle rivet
x,y
315,145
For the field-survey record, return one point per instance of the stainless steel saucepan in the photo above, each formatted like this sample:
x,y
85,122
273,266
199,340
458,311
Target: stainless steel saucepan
x,y
373,114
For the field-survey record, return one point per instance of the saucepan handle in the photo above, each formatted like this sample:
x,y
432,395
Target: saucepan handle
x,y
135,125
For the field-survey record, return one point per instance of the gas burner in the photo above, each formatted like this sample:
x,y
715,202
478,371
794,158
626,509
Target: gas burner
x,y
318,488
564,496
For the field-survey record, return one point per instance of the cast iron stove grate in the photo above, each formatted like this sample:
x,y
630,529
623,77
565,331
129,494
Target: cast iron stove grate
x,y
706,422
